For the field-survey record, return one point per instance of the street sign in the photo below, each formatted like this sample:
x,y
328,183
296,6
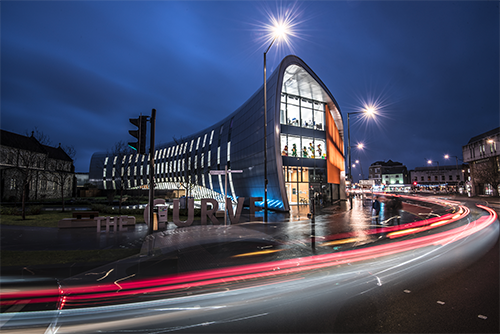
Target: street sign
x,y
222,172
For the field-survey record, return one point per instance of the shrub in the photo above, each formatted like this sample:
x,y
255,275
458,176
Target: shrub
x,y
10,210
14,211
34,210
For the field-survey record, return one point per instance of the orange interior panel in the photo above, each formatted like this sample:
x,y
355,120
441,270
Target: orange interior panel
x,y
334,149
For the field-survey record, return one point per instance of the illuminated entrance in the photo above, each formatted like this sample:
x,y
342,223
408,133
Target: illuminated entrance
x,y
303,182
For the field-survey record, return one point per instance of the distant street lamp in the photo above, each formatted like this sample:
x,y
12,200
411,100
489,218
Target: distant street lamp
x,y
279,30
360,166
437,162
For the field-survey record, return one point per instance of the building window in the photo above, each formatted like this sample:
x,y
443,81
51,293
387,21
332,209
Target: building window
x,y
435,178
443,178
302,112
421,178
302,147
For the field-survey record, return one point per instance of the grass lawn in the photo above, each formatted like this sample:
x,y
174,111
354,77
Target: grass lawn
x,y
33,258
46,219
50,219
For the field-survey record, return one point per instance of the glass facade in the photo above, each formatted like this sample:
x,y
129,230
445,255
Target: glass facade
x,y
298,145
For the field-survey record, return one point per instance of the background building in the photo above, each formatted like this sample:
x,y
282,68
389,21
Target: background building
x,y
388,173
482,155
305,149
42,171
440,178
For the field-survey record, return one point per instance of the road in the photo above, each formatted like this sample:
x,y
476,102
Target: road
x,y
460,300
389,287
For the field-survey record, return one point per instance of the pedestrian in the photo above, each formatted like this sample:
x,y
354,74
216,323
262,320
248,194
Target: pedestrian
x,y
376,207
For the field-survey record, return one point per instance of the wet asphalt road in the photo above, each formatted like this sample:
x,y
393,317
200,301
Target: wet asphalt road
x,y
464,299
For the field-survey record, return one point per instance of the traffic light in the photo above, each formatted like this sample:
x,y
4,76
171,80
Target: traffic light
x,y
140,134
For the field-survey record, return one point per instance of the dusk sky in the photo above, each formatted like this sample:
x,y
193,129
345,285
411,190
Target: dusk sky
x,y
77,71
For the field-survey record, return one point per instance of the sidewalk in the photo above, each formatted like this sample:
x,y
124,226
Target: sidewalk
x,y
331,219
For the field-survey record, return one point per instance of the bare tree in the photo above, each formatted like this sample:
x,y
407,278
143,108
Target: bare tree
x,y
25,157
62,168
487,172
121,150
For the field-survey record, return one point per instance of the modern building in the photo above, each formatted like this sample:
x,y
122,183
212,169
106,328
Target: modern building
x,y
483,156
305,148
43,171
439,178
388,173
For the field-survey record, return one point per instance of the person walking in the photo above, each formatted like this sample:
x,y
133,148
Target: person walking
x,y
376,207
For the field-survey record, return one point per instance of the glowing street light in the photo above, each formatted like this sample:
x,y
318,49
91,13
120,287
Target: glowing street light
x,y
368,111
279,30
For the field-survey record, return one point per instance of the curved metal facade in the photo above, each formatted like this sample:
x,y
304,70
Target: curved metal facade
x,y
238,143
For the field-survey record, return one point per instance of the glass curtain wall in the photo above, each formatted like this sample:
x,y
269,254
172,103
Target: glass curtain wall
x,y
307,114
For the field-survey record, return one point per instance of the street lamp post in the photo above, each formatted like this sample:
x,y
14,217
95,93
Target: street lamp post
x,y
456,162
265,132
361,167
437,162
368,111
279,30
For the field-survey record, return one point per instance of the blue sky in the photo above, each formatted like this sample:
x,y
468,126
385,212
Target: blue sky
x,y
77,71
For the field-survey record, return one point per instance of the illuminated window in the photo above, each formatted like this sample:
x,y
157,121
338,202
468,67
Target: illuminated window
x,y
308,150
320,148
204,139
294,142
283,112
319,116
293,115
306,114
284,145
